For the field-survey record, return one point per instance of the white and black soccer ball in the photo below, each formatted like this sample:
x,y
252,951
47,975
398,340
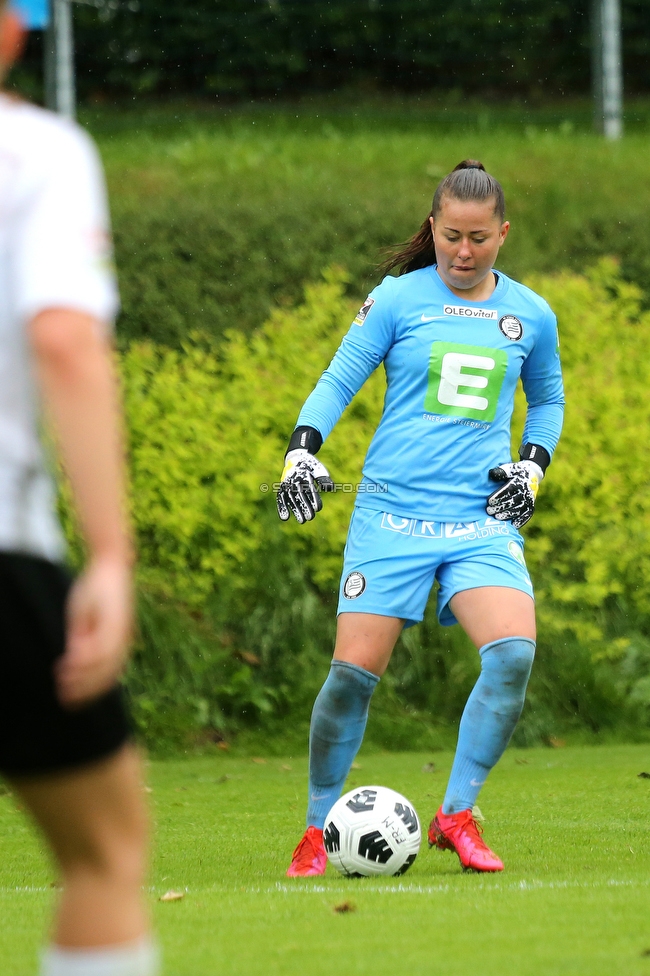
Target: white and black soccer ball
x,y
372,830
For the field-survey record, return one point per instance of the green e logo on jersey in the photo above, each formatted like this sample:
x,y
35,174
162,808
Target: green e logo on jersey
x,y
465,381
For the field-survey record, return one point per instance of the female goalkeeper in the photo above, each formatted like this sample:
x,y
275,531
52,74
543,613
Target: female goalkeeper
x,y
440,499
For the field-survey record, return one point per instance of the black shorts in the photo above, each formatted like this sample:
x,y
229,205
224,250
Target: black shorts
x,y
38,735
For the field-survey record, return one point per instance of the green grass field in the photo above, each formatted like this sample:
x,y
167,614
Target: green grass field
x,y
571,825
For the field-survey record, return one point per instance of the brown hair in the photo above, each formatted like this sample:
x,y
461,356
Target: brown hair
x,y
468,181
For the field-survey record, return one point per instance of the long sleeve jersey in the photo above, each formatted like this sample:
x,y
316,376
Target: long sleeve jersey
x,y
452,367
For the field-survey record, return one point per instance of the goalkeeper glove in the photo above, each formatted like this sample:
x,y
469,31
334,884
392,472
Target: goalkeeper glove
x,y
303,478
514,501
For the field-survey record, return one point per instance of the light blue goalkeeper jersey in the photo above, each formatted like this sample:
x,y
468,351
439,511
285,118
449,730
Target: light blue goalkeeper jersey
x,y
452,367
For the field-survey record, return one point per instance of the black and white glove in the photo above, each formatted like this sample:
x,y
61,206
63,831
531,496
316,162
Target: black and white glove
x,y
514,501
303,478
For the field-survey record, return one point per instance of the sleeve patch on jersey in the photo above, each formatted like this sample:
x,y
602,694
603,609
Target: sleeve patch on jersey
x,y
360,317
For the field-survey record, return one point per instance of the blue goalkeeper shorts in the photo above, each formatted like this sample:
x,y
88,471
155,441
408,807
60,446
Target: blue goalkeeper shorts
x,y
391,563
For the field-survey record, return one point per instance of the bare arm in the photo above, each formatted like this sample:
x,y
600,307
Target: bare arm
x,y
75,373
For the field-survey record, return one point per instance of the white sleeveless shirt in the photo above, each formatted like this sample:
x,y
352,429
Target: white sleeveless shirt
x,y
55,252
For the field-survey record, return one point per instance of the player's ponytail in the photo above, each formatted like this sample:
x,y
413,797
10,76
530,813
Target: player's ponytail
x,y
467,182
416,253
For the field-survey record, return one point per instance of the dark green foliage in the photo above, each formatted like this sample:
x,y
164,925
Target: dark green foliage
x,y
195,682
250,664
247,662
247,669
220,263
265,47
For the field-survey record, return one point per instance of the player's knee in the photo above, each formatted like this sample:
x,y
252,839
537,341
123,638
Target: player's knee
x,y
349,684
342,702
509,660
118,862
112,849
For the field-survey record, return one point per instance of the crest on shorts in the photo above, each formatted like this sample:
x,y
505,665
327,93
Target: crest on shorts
x,y
511,327
517,553
354,586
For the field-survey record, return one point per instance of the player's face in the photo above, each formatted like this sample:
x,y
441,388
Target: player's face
x,y
467,235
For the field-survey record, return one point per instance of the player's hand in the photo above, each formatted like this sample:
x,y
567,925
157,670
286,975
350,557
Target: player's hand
x,y
99,626
301,480
514,501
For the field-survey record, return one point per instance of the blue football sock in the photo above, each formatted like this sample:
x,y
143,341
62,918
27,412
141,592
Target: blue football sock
x,y
489,719
338,722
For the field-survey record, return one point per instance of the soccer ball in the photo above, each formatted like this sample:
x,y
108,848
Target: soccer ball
x,y
372,830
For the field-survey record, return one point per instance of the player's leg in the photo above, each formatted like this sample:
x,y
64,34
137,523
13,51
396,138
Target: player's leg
x,y
492,613
386,581
78,776
501,623
485,586
364,644
95,821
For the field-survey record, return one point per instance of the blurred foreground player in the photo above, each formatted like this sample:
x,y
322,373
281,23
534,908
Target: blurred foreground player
x,y
64,735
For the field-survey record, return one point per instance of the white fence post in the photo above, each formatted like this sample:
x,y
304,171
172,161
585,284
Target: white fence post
x,y
60,89
607,64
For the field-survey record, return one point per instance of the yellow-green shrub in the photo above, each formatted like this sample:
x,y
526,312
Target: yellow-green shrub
x,y
208,425
589,543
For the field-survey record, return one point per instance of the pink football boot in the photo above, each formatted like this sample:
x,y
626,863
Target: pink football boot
x,y
309,857
459,832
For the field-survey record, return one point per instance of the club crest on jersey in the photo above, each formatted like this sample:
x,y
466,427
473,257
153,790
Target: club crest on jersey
x,y
354,586
471,313
511,327
360,317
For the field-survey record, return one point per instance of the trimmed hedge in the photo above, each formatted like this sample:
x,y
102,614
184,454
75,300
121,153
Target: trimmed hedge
x,y
218,219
